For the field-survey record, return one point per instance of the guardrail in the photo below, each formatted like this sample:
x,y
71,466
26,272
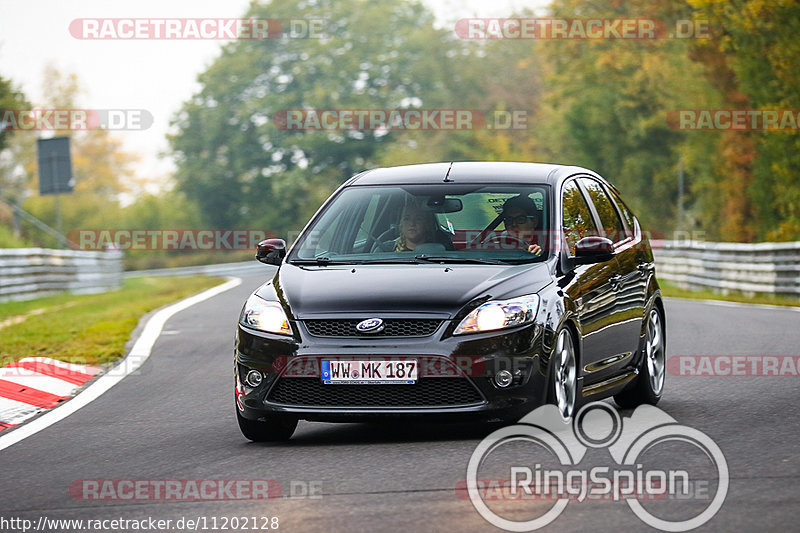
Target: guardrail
x,y
760,268
239,268
27,273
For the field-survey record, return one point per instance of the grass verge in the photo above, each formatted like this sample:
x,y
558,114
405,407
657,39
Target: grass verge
x,y
90,328
672,291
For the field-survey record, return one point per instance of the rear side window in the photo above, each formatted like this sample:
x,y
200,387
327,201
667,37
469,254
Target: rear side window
x,y
626,213
577,220
609,217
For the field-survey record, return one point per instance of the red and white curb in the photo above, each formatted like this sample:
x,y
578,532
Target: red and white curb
x,y
35,384
137,355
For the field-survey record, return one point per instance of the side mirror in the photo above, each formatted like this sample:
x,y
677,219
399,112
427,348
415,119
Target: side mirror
x,y
271,251
593,249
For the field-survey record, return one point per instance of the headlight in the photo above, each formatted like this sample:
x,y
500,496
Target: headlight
x,y
500,314
266,316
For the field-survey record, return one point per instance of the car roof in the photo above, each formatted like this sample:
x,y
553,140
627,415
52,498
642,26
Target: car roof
x,y
468,172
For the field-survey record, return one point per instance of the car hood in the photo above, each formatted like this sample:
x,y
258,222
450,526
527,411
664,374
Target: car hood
x,y
424,289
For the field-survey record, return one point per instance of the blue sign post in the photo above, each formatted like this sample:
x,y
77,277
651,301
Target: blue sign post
x,y
55,170
55,166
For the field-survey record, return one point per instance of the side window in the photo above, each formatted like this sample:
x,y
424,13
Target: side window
x,y
612,224
626,213
577,220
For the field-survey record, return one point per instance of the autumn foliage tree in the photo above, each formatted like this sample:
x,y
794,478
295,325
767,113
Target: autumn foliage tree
x,y
753,59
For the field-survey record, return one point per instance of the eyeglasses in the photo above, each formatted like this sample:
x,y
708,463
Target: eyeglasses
x,y
518,220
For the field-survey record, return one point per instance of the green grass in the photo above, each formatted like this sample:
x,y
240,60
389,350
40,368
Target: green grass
x,y
143,260
672,291
91,328
7,239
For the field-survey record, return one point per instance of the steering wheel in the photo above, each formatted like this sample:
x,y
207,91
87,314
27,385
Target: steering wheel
x,y
503,240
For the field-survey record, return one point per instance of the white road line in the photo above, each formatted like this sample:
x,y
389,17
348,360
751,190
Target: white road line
x,y
138,355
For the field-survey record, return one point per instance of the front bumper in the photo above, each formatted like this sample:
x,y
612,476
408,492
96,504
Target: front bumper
x,y
456,378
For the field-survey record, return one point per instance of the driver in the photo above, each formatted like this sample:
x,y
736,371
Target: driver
x,y
521,218
417,226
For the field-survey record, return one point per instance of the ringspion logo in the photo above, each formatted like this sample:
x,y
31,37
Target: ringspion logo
x,y
552,471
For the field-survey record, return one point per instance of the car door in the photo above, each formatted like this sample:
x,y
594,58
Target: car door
x,y
636,262
594,294
625,319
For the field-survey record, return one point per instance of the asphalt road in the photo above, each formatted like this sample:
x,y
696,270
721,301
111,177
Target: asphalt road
x,y
174,419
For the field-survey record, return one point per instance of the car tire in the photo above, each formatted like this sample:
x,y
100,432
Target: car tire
x,y
273,430
649,385
565,389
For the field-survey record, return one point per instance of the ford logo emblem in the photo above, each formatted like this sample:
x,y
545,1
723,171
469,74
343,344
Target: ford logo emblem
x,y
370,325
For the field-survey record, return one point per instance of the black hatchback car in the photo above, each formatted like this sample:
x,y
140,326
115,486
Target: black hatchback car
x,y
453,291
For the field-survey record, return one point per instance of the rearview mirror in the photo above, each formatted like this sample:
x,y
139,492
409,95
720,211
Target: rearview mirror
x,y
445,205
271,251
593,249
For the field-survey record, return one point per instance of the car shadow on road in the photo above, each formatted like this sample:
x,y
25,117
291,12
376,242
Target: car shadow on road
x,y
323,434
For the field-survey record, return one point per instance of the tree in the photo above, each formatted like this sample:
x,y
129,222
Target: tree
x,y
10,99
753,58
242,169
607,102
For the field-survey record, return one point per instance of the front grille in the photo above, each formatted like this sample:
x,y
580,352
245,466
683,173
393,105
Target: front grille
x,y
393,327
427,392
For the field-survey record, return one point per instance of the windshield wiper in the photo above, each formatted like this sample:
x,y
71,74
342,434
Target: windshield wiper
x,y
392,260
451,259
322,261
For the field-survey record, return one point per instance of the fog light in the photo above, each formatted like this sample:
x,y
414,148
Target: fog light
x,y
253,378
503,378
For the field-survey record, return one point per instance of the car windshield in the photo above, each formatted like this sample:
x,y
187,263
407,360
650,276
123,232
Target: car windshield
x,y
458,223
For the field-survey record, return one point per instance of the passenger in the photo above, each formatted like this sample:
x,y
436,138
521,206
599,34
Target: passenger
x,y
417,226
521,218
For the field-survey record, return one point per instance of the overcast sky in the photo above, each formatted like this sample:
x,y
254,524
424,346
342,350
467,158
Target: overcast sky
x,y
156,76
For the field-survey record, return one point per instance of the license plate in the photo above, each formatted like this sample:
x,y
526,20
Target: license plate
x,y
367,372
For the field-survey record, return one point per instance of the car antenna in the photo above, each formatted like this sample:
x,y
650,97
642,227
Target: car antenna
x,y
448,173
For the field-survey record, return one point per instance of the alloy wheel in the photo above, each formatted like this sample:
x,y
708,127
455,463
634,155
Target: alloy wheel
x,y
656,358
565,373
